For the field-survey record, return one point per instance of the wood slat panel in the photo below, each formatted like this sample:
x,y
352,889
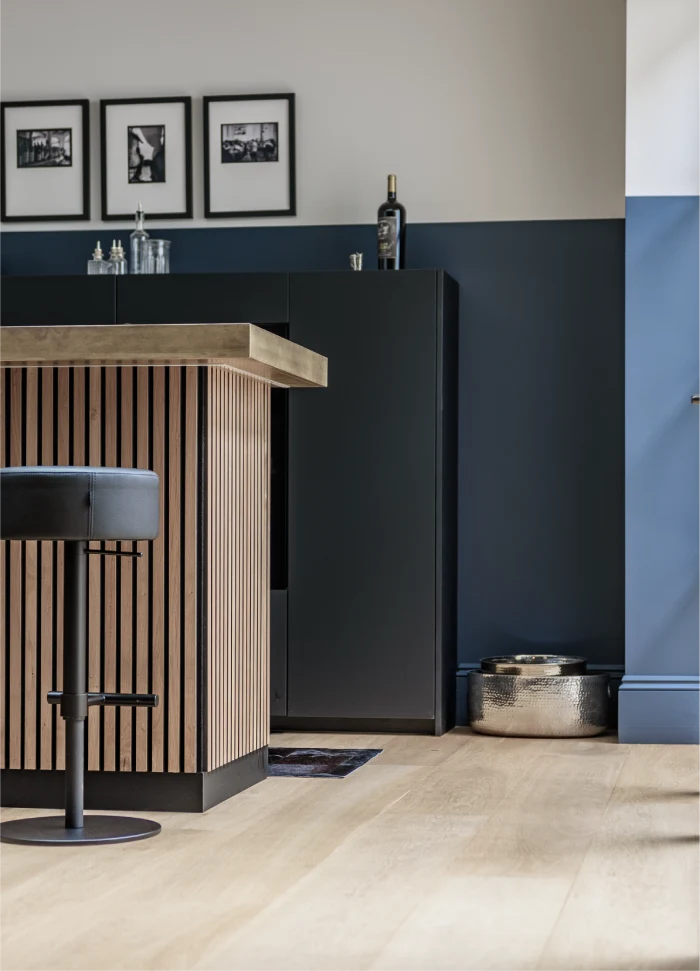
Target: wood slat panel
x,y
94,626
143,569
46,552
3,579
159,409
63,432
16,592
189,551
141,418
238,410
173,561
125,716
109,566
31,729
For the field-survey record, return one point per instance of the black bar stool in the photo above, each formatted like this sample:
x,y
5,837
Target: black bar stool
x,y
77,505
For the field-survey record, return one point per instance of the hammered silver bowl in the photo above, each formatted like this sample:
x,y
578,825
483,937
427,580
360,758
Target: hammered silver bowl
x,y
534,665
554,697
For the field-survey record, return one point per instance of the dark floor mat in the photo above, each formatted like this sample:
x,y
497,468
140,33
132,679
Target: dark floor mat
x,y
319,763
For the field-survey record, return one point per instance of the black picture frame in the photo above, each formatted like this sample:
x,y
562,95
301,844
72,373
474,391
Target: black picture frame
x,y
250,213
84,104
121,216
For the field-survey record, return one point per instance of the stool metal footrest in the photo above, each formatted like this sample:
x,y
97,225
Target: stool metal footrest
x,y
110,698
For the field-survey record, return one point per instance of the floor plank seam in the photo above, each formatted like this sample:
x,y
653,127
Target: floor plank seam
x,y
583,859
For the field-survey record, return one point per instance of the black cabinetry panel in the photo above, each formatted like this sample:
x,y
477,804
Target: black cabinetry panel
x,y
203,298
362,499
58,301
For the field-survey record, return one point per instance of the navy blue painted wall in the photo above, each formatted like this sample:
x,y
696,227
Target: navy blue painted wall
x,y
541,410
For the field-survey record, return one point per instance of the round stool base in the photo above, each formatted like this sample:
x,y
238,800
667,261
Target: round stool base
x,y
51,830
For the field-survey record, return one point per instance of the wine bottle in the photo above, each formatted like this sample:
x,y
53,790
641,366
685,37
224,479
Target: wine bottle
x,y
391,231
140,245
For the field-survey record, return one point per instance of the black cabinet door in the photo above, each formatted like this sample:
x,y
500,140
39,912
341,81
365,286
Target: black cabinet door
x,y
58,301
203,298
362,498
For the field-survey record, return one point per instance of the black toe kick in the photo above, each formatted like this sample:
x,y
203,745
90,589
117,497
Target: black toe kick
x,y
184,792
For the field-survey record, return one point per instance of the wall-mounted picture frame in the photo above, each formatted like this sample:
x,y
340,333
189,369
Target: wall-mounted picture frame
x,y
249,156
146,156
45,161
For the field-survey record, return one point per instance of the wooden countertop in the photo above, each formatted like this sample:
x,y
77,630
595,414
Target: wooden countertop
x,y
241,347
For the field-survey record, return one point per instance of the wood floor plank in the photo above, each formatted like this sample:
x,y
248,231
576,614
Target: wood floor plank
x,y
503,855
640,875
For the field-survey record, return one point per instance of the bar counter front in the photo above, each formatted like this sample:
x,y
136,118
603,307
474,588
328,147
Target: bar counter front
x,y
189,620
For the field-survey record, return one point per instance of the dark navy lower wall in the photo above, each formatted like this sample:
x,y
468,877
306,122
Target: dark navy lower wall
x,y
659,695
541,446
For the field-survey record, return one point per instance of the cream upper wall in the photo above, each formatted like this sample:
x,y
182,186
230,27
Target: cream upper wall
x,y
486,109
663,98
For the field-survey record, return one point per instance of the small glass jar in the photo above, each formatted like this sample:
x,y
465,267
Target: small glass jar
x,y
160,256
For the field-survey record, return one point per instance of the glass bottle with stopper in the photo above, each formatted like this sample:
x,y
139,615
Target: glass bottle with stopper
x,y
117,260
140,246
97,266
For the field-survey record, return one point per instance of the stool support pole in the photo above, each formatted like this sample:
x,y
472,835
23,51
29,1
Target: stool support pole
x,y
74,708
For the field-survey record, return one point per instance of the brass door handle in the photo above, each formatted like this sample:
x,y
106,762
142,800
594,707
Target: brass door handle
x,y
695,400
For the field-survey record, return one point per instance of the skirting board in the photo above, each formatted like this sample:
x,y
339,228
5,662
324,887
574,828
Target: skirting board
x,y
391,726
660,709
185,792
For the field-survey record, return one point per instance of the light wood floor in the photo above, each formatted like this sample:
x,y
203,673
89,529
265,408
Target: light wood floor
x,y
460,852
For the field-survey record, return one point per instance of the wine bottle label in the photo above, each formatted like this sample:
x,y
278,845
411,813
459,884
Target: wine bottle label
x,y
386,237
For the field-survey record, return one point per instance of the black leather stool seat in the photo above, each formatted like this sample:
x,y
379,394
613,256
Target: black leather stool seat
x,y
57,502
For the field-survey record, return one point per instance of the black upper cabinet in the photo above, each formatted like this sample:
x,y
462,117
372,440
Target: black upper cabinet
x,y
371,579
203,298
58,301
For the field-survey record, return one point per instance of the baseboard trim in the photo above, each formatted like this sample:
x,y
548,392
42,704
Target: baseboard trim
x,y
184,792
391,726
659,709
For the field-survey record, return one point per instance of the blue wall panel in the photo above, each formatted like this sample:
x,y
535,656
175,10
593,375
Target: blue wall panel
x,y
541,541
662,456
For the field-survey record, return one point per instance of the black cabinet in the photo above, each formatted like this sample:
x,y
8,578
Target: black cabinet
x,y
57,301
372,504
204,298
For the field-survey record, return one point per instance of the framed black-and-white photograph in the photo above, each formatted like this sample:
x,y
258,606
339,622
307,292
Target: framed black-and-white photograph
x,y
45,158
249,167
146,156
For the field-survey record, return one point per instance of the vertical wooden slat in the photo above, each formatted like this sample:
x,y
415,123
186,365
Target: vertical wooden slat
x,y
109,607
218,579
230,533
266,571
30,586
212,591
47,601
174,562
158,553
126,460
3,578
226,700
63,425
189,563
237,591
95,565
16,593
247,577
142,567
